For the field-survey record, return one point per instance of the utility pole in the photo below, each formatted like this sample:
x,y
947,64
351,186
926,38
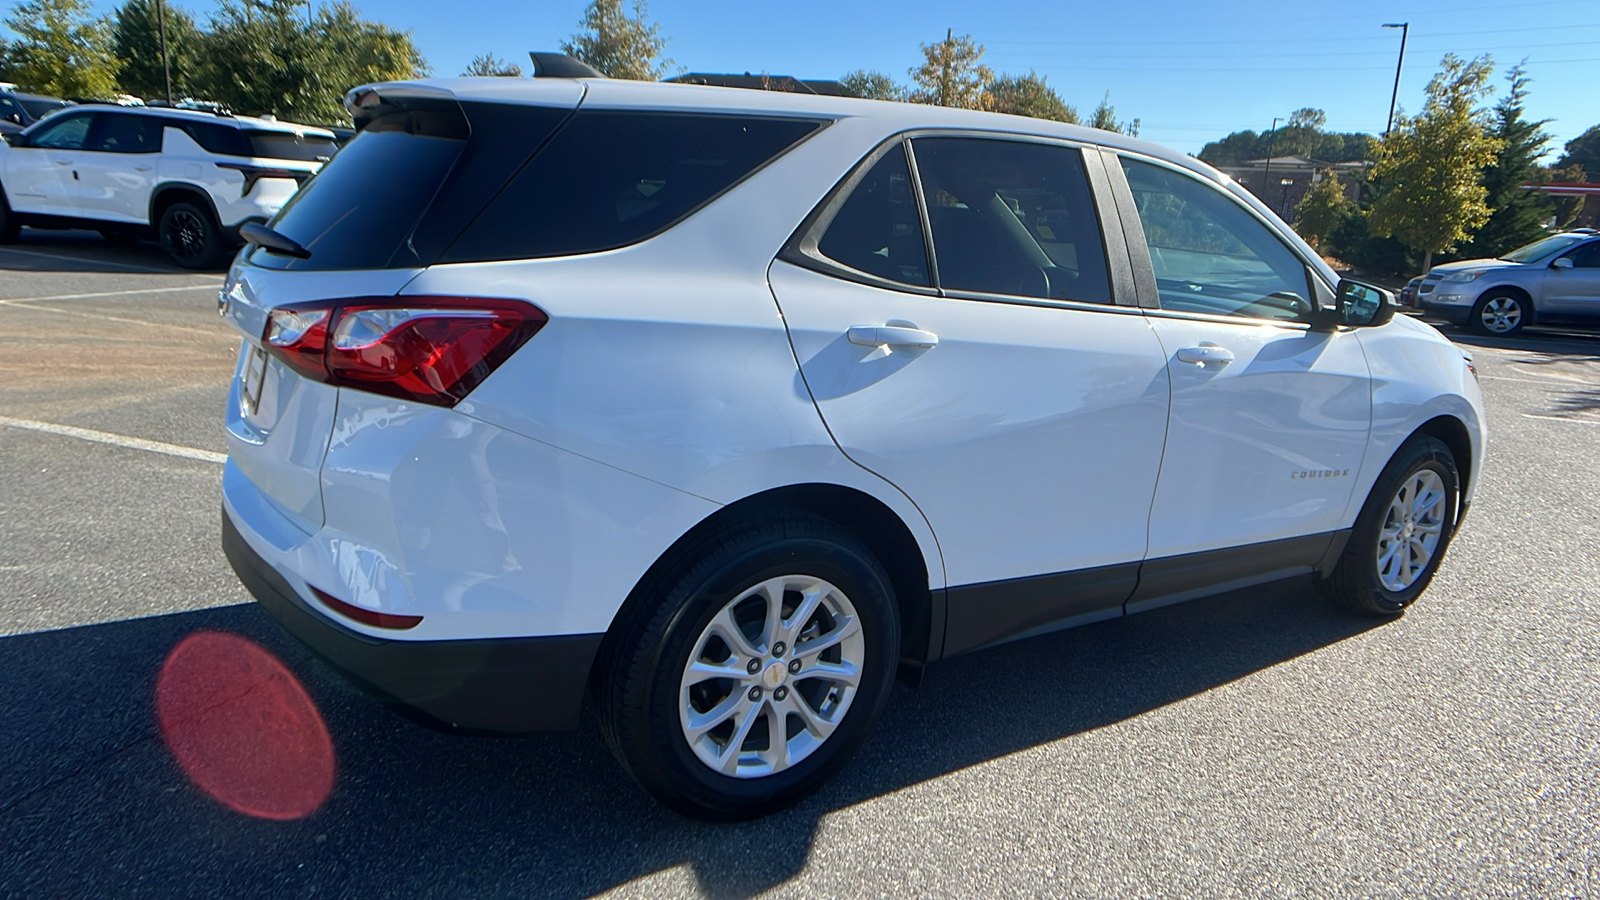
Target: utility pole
x,y
1405,30
1266,177
166,64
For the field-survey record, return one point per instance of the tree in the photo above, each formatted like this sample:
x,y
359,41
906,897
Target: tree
x,y
871,86
136,41
490,65
61,49
1431,166
264,56
1308,119
1104,118
1322,210
1518,216
1028,95
620,45
951,75
1583,150
1566,209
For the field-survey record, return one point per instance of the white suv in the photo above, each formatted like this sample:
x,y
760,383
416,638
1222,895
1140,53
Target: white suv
x,y
721,408
190,179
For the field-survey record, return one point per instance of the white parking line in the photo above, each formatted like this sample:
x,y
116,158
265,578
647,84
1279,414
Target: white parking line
x,y
89,315
116,440
1562,419
184,287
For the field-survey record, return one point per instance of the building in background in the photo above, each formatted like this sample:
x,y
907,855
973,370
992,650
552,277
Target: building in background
x,y
1281,181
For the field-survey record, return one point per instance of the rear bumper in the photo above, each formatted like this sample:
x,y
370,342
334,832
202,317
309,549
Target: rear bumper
x,y
503,685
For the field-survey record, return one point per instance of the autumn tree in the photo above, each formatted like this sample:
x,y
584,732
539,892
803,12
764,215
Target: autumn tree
x,y
1104,118
1322,210
951,74
136,41
871,86
61,48
492,66
1028,95
1518,216
1430,166
619,45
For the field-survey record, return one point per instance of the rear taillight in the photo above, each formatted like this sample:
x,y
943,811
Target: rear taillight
x,y
430,349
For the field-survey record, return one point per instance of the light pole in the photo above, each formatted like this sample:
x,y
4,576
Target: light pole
x,y
166,66
1405,30
1283,204
1266,176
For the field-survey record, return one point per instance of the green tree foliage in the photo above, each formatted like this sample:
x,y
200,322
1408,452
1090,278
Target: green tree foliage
x,y
1322,210
1518,216
1431,165
1583,150
136,41
1308,119
620,45
951,74
1104,117
1566,209
61,49
491,66
1302,136
871,86
263,56
1028,95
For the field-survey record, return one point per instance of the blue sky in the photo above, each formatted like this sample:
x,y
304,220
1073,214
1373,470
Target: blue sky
x,y
1190,72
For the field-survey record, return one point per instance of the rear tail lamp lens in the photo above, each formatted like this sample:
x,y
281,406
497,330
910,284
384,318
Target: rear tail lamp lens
x,y
429,349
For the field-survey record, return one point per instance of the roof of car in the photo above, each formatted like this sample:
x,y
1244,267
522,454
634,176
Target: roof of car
x,y
203,116
619,93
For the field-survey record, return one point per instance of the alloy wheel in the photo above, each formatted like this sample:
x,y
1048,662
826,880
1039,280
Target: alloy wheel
x,y
184,235
1411,531
1501,315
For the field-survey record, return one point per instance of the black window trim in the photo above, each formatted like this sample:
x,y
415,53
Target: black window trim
x,y
1317,290
801,248
822,123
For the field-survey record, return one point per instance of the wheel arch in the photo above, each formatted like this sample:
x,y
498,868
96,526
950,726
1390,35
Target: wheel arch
x,y
172,192
1452,432
866,518
1522,293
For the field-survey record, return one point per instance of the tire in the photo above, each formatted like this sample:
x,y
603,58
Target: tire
x,y
1500,313
1370,580
9,227
190,236
672,720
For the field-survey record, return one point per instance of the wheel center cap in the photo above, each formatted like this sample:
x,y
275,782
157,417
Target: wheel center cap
x,y
774,674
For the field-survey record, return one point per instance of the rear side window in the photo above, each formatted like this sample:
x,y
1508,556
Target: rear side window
x,y
404,187
1013,218
878,230
288,145
224,140
609,179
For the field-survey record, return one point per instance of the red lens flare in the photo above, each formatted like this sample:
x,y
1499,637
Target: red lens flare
x,y
242,728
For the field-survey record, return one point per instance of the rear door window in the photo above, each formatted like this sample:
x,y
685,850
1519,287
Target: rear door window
x,y
878,230
125,133
1012,218
612,178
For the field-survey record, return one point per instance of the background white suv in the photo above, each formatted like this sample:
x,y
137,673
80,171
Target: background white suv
x,y
189,179
720,408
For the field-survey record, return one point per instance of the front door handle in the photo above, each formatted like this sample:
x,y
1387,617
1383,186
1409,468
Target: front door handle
x,y
893,335
1205,353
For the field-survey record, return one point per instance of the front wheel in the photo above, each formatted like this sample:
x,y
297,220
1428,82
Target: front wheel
x,y
190,236
1402,534
757,670
1500,313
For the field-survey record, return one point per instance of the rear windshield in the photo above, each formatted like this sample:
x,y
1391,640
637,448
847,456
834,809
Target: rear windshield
x,y
287,145
612,178
406,185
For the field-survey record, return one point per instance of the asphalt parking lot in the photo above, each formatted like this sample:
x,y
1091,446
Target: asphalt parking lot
x,y
1254,744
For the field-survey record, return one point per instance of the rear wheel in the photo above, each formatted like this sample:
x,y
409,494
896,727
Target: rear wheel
x,y
9,228
756,673
190,236
1402,534
1501,313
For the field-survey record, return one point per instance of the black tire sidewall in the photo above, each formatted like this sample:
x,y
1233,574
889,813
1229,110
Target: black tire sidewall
x,y
9,229
659,756
1476,320
1419,454
213,240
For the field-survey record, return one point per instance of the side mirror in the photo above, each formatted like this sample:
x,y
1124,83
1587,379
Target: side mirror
x,y
1364,305
1564,262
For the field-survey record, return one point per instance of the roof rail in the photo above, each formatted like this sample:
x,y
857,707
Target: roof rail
x,y
560,65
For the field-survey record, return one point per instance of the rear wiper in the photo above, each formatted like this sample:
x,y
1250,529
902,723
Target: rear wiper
x,y
256,233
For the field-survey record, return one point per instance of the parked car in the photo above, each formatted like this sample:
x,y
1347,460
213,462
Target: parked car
x,y
722,408
1556,278
1408,294
18,110
189,179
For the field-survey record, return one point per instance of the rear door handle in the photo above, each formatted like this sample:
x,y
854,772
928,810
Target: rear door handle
x,y
142,168
1205,353
893,335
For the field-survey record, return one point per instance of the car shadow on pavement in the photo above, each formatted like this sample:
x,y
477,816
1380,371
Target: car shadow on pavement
x,y
93,803
87,252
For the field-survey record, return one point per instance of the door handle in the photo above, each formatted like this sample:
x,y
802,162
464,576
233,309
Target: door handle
x,y
893,335
1205,353
63,162
142,168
